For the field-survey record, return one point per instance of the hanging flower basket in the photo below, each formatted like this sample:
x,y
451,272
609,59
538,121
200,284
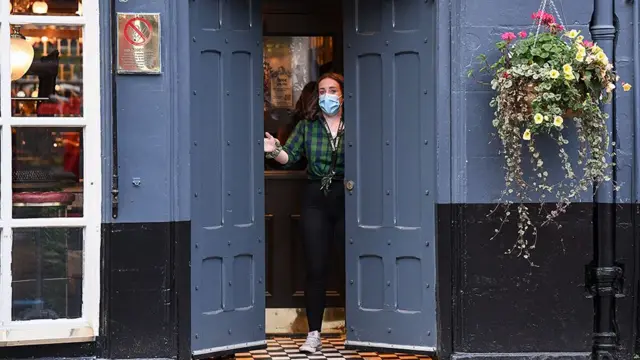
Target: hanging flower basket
x,y
544,83
532,94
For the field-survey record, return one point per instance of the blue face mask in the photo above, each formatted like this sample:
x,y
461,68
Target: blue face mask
x,y
330,104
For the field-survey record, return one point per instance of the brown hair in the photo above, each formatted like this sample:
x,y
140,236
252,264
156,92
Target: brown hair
x,y
305,109
307,102
333,76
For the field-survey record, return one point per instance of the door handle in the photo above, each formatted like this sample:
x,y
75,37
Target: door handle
x,y
349,185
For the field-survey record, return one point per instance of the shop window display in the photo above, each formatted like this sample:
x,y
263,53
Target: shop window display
x,y
50,178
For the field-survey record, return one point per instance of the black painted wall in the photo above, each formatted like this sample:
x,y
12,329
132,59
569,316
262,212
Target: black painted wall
x,y
491,302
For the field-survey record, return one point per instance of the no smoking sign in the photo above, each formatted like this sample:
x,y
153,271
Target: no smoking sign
x,y
138,43
138,31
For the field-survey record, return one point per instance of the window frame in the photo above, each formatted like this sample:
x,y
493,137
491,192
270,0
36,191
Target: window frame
x,y
85,328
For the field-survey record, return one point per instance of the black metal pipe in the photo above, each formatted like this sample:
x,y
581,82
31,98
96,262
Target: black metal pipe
x,y
115,191
604,273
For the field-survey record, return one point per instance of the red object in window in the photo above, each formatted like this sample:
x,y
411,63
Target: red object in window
x,y
68,108
71,142
43,198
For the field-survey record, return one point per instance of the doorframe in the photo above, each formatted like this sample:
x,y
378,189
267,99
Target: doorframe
x,y
447,220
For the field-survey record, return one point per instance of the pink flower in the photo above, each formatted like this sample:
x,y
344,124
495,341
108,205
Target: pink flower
x,y
508,36
543,18
587,43
506,75
522,34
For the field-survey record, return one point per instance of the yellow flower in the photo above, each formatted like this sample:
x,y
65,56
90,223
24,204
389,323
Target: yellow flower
x,y
572,34
626,86
579,57
596,49
538,118
569,76
557,121
602,57
610,87
554,74
580,39
567,69
527,135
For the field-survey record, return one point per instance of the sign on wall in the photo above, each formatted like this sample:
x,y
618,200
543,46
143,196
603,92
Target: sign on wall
x,y
138,44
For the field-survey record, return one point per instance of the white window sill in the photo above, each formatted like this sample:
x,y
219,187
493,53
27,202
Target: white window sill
x,y
49,334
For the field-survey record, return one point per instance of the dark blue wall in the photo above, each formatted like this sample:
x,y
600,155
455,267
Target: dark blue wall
x,y
152,112
476,174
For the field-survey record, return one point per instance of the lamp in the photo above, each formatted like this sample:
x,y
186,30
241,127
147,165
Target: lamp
x,y
20,54
39,7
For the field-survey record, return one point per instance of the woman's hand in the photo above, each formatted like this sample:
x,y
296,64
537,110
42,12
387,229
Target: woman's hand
x,y
269,143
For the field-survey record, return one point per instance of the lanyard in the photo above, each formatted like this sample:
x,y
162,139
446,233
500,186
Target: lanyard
x,y
335,145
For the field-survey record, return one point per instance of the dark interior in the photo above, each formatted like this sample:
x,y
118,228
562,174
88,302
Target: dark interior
x,y
295,24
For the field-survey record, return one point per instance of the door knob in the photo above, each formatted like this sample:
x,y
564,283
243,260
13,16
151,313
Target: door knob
x,y
349,185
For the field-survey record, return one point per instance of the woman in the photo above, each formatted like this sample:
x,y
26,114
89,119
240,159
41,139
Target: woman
x,y
320,140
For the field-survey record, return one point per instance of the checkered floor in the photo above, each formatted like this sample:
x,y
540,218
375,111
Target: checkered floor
x,y
284,348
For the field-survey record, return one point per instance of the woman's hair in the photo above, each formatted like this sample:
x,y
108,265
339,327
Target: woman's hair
x,y
305,109
306,105
333,76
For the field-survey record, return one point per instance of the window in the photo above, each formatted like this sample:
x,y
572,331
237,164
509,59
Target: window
x,y
50,175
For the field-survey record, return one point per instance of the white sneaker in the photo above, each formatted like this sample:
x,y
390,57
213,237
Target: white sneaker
x,y
312,344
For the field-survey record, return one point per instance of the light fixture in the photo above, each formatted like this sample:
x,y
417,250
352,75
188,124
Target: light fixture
x,y
20,54
39,7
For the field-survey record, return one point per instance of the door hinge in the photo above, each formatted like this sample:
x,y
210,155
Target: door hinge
x,y
114,196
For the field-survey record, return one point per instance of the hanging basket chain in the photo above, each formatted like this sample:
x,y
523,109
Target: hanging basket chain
x,y
543,7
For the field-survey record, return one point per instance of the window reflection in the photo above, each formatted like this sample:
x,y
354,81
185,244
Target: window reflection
x,y
46,7
291,65
52,82
46,273
47,172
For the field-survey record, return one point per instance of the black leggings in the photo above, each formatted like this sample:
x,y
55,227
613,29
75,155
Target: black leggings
x,y
323,225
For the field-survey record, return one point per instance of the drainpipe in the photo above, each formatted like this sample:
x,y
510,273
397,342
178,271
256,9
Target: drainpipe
x,y
604,274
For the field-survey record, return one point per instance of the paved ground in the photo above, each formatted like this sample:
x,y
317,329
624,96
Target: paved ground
x,y
284,348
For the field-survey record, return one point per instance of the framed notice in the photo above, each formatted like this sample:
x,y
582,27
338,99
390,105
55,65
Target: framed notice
x,y
138,43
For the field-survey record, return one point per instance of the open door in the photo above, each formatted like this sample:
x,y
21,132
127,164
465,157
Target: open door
x,y
227,211
390,175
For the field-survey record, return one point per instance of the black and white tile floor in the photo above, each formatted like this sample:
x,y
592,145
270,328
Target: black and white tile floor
x,y
286,348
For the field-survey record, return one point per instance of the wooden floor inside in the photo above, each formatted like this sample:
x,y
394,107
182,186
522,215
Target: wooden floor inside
x,y
284,348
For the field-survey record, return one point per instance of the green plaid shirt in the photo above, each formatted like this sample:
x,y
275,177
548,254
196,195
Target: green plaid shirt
x,y
311,139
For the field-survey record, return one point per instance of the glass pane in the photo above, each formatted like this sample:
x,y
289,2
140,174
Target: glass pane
x,y
46,270
46,7
291,66
47,172
46,70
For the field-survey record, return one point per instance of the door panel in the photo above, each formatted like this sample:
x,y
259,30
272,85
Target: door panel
x,y
390,157
227,247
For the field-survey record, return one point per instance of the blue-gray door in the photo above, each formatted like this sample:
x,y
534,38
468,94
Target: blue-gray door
x,y
227,212
390,158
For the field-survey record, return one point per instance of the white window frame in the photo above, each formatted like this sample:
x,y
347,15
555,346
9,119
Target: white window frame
x,y
59,330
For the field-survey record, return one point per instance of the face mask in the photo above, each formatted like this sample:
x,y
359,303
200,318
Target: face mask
x,y
330,104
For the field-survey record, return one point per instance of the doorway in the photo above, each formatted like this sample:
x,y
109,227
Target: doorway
x,y
245,218
299,45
